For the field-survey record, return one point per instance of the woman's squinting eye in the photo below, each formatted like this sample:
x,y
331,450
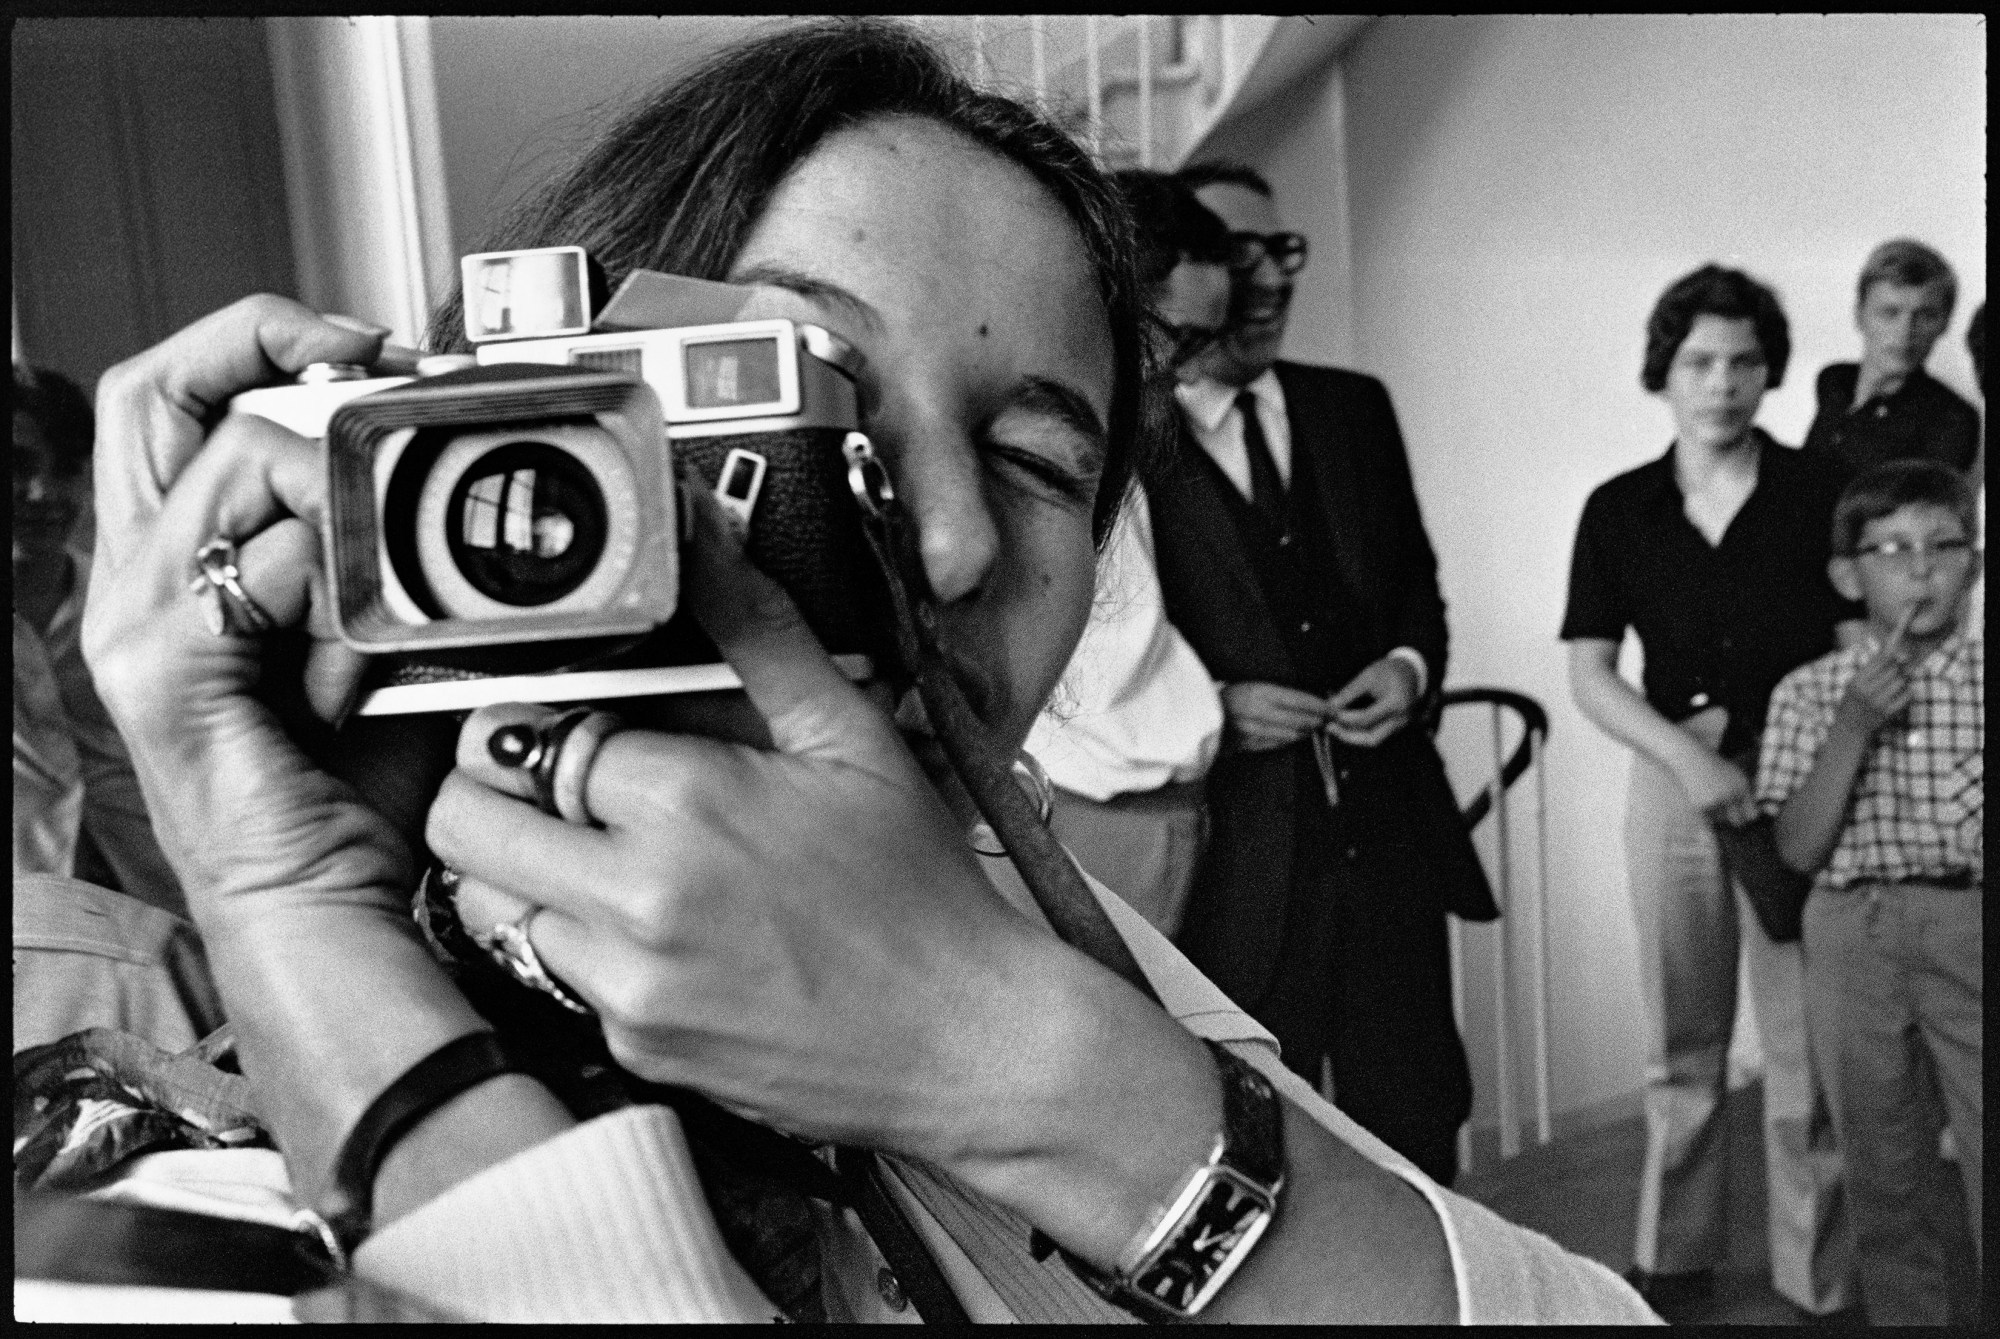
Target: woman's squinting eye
x,y
1047,453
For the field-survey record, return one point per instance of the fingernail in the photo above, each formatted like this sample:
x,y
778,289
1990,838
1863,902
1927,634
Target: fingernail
x,y
709,518
348,704
354,323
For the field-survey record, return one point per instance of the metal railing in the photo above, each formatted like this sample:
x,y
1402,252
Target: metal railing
x,y
1165,70
1532,724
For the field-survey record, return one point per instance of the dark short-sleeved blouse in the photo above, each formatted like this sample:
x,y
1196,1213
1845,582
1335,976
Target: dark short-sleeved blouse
x,y
1720,624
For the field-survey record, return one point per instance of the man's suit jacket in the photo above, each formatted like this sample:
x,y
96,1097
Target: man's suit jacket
x,y
1398,805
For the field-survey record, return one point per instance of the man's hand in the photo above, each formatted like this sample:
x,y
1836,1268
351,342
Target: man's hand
x,y
1264,716
1881,688
1375,704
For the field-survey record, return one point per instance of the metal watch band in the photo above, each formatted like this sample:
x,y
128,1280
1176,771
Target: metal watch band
x,y
1174,1269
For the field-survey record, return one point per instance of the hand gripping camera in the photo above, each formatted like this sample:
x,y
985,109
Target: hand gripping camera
x,y
507,529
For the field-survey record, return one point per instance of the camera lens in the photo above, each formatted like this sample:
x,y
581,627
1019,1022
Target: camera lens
x,y
525,524
524,521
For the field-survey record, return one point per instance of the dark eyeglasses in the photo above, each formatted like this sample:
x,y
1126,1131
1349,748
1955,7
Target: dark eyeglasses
x,y
1247,251
1905,553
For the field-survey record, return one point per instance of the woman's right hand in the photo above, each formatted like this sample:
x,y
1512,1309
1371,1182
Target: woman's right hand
x,y
238,807
1715,786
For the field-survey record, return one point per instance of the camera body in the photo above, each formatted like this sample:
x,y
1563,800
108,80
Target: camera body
x,y
508,527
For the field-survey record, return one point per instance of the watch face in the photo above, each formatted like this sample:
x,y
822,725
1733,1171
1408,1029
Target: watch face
x,y
1214,1237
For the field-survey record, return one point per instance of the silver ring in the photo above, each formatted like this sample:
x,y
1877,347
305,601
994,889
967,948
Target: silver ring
x,y
434,907
575,755
508,944
226,606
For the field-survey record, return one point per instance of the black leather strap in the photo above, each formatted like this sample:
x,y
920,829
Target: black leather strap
x,y
424,1087
923,1282
71,1239
1253,1122
1046,869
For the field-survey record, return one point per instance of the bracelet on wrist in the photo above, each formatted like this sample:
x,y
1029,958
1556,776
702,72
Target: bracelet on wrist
x,y
453,1068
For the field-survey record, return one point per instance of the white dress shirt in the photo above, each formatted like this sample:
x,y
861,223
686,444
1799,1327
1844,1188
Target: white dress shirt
x,y
1217,425
1136,710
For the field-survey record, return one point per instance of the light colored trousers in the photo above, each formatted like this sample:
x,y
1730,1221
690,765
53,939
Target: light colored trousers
x,y
1141,846
1893,972
85,957
1692,921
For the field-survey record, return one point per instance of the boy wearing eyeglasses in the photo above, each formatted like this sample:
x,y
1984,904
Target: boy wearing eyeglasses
x,y
1873,765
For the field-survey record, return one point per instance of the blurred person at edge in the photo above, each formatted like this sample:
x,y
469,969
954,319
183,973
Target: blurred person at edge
x,y
1715,555
1887,407
77,806
784,915
1135,722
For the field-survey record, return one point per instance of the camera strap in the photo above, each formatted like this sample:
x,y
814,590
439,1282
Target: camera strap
x,y
986,772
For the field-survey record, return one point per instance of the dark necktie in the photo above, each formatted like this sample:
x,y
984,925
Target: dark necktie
x,y
1267,492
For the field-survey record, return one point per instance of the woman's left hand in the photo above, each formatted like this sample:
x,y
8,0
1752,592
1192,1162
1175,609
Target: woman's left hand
x,y
803,934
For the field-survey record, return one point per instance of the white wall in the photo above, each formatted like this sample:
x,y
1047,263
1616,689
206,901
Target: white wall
x,y
1294,140
518,96
1521,190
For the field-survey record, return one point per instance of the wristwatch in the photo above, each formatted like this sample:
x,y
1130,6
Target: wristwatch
x,y
1173,1269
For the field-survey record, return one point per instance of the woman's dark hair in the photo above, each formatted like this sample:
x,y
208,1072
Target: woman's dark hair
x,y
62,411
1169,224
678,182
1714,291
1887,489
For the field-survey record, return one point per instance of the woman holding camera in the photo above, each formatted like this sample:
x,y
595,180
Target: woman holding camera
x,y
780,912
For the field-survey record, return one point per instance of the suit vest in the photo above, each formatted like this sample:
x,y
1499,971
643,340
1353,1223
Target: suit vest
x,y
1313,613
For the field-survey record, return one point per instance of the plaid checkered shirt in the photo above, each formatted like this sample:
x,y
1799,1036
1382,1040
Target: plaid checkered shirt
x,y
1916,807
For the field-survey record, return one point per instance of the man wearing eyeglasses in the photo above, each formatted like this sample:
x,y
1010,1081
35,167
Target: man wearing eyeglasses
x,y
1293,558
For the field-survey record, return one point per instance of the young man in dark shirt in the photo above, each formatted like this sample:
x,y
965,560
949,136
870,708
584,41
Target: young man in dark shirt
x,y
1886,407
1715,555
